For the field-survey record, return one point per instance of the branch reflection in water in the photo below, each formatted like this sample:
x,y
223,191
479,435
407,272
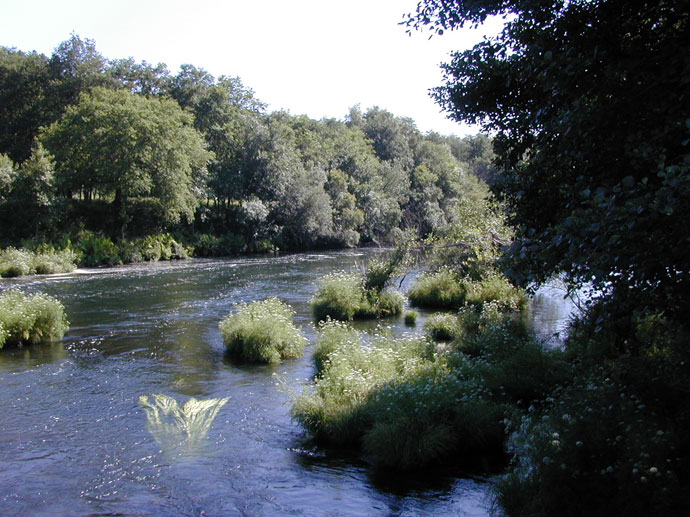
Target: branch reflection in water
x,y
173,426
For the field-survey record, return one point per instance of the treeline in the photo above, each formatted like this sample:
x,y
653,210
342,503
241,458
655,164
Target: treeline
x,y
124,149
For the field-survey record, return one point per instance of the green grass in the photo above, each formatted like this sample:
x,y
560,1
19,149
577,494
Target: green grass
x,y
30,319
262,332
342,296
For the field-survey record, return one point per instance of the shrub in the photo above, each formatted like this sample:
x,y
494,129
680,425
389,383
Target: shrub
x,y
342,296
262,332
440,290
33,318
411,318
97,250
596,449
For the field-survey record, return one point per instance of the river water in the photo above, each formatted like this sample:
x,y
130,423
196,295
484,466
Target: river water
x,y
75,438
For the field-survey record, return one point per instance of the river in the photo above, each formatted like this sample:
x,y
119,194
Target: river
x,y
75,438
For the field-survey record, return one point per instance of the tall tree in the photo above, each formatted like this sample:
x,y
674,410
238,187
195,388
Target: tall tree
x,y
119,145
588,101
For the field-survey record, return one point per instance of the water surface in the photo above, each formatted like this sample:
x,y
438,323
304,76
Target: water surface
x,y
75,438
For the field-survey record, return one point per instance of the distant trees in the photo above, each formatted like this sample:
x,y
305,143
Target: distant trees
x,y
137,149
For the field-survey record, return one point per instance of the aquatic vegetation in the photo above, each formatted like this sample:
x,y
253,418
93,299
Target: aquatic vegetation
x,y
333,335
30,318
494,287
171,425
440,290
444,289
262,332
411,318
431,417
334,408
442,327
343,296
19,262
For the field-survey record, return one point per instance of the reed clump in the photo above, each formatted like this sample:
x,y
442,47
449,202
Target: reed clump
x,y
262,332
30,319
46,260
343,296
446,289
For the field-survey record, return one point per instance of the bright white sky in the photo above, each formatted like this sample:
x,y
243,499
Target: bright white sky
x,y
313,57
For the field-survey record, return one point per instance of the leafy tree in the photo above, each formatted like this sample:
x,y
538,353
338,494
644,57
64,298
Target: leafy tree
x,y
24,84
7,174
588,104
32,194
142,78
120,146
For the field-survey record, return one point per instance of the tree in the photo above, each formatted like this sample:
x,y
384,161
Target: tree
x,y
119,146
24,84
588,103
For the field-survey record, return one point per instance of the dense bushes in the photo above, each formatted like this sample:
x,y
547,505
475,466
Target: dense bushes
x,y
262,332
33,318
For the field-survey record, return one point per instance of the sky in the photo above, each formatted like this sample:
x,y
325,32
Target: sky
x,y
313,57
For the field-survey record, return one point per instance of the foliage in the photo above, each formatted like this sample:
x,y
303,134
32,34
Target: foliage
x,y
97,250
206,245
19,262
124,145
342,296
439,290
591,127
442,327
153,248
596,448
411,318
263,332
30,318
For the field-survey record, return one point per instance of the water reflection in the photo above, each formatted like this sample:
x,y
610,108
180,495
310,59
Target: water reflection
x,y
173,426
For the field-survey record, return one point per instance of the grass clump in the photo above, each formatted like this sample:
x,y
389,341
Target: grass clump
x,y
440,290
445,289
262,332
343,296
19,262
442,327
411,318
30,318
